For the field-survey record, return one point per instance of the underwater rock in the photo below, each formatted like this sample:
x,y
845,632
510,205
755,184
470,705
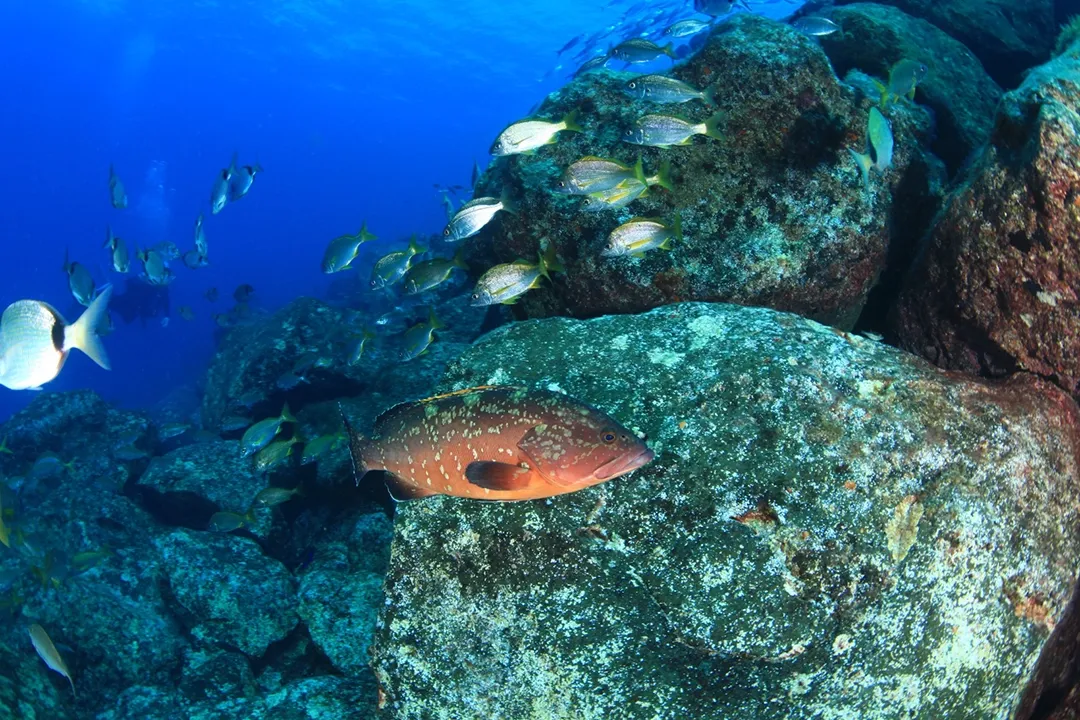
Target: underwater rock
x,y
198,480
226,591
341,593
961,94
253,358
1008,36
832,528
774,214
996,287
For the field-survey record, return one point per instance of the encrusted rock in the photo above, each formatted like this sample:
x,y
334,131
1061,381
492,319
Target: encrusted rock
x,y
831,528
961,94
226,591
997,287
773,214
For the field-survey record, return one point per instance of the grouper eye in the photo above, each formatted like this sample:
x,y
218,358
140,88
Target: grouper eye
x,y
608,437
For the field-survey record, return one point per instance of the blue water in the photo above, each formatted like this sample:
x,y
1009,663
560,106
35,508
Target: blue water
x,y
354,110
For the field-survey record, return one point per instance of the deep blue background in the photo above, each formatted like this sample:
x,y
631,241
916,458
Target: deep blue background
x,y
353,108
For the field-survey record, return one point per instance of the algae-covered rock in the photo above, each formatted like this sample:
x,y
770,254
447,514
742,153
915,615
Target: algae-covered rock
x,y
1006,35
773,214
996,287
961,94
226,591
341,593
832,528
211,472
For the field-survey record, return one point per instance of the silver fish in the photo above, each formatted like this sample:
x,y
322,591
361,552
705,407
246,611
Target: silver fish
x,y
116,191
219,193
664,89
528,135
664,130
80,282
35,341
640,50
816,26
685,28
595,174
121,262
473,216
640,235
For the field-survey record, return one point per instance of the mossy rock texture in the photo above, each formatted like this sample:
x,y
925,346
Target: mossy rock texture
x,y
773,214
831,529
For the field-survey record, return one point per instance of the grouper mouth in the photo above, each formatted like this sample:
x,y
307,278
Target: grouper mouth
x,y
624,464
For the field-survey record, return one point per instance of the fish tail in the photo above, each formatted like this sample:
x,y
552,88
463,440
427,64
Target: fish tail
x,y
676,227
286,415
712,126
709,95
507,204
669,50
864,162
663,176
458,260
82,334
433,321
108,238
358,444
639,170
4,449
414,247
549,262
364,235
570,122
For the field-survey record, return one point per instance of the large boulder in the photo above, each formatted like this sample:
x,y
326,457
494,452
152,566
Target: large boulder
x,y
1007,36
773,214
832,528
996,287
961,94
226,592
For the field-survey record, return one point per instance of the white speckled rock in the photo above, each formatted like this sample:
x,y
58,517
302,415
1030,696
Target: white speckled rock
x,y
832,529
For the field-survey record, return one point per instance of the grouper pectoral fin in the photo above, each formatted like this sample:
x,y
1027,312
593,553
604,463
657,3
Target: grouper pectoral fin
x,y
497,475
401,490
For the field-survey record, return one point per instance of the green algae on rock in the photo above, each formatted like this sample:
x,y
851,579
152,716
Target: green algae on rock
x,y
997,284
832,528
773,214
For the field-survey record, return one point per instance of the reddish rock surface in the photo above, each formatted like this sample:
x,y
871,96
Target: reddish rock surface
x,y
995,288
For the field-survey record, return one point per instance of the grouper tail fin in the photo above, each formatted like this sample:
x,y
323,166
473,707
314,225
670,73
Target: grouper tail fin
x,y
357,444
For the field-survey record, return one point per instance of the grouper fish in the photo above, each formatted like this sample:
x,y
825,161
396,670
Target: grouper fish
x,y
496,443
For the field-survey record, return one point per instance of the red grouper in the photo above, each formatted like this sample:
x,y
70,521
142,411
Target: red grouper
x,y
496,443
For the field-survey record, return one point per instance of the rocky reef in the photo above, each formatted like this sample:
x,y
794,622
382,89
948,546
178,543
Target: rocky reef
x,y
773,214
995,288
830,526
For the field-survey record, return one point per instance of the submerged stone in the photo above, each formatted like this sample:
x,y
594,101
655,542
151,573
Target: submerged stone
x,y
773,214
995,289
832,528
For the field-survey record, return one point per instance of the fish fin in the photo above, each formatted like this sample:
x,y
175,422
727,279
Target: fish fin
x,y
709,95
286,415
507,204
415,247
357,445
864,163
513,300
549,262
458,260
82,334
4,447
663,176
712,126
638,255
364,235
639,170
433,321
676,227
401,491
669,50
570,121
497,476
